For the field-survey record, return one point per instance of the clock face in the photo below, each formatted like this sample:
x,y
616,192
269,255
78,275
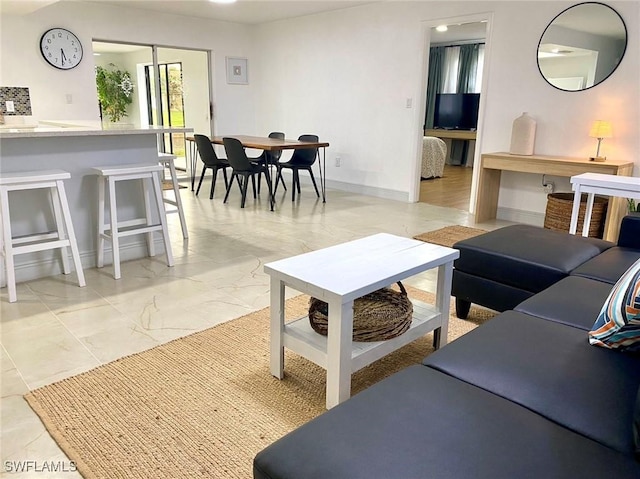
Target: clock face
x,y
61,48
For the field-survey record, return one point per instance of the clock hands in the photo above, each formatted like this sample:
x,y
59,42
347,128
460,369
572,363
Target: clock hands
x,y
62,56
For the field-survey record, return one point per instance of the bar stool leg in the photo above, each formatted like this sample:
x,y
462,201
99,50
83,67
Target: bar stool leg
x,y
163,218
115,240
194,162
176,191
101,224
57,213
151,247
75,253
8,246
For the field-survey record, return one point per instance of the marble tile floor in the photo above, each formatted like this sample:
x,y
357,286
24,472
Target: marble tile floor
x,y
57,330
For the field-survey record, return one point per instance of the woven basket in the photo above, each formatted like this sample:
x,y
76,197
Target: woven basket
x,y
560,206
377,316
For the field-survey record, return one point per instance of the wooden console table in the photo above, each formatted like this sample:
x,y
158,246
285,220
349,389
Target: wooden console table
x,y
493,164
452,134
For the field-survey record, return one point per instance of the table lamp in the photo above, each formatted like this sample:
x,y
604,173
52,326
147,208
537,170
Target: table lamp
x,y
600,129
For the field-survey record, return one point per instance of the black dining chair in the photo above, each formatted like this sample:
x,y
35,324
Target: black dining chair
x,y
210,160
270,157
243,169
302,159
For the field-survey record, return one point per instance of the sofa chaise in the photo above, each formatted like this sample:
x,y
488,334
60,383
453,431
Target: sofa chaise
x,y
524,396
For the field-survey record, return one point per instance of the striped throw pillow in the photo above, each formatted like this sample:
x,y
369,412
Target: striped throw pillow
x,y
618,324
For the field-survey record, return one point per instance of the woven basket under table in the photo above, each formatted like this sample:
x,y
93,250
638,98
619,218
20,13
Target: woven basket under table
x,y
560,206
377,316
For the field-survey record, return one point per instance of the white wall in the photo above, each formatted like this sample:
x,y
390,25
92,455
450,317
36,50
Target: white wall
x,y
22,65
564,118
346,75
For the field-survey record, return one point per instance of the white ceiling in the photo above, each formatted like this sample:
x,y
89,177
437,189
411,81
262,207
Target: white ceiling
x,y
243,11
460,33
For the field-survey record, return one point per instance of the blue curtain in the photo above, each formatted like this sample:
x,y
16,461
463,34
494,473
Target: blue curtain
x,y
434,84
467,66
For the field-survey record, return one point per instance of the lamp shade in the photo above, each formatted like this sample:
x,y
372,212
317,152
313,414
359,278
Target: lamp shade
x,y
601,129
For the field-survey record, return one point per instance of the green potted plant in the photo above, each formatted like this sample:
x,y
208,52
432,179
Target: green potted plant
x,y
115,91
633,206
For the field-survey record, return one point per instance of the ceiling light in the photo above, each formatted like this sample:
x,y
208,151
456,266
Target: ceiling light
x,y
442,28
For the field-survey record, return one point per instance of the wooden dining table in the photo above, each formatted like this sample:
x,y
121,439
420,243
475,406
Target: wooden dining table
x,y
275,144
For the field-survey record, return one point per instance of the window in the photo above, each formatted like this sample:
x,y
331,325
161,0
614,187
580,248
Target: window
x,y
452,69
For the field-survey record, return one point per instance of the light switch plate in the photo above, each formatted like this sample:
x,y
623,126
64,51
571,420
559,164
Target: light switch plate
x,y
10,106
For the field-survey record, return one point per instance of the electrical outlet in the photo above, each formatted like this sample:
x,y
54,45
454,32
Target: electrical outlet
x,y
338,159
10,106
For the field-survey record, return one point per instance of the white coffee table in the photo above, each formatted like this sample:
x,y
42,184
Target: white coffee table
x,y
338,275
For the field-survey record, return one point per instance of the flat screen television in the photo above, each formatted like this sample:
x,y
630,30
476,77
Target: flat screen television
x,y
456,111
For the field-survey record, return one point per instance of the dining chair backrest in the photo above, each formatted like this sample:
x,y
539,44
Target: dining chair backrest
x,y
305,156
205,150
274,156
236,155
277,135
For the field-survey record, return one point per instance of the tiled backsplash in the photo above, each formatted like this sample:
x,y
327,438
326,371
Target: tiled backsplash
x,y
20,98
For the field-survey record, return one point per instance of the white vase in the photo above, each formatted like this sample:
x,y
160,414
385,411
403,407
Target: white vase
x,y
523,135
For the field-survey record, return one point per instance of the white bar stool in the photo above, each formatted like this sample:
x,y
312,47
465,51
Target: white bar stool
x,y
114,230
12,246
167,161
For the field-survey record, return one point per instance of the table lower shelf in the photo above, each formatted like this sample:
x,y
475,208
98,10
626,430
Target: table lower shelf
x,y
302,339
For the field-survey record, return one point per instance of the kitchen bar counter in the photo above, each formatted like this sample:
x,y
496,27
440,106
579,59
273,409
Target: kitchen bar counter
x,y
75,148
49,128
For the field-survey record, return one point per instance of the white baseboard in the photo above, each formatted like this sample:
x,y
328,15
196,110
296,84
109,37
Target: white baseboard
x,y
31,268
352,188
369,190
521,216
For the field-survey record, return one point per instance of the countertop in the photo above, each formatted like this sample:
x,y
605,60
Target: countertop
x,y
81,128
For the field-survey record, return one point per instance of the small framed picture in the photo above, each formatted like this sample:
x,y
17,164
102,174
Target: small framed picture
x,y
237,71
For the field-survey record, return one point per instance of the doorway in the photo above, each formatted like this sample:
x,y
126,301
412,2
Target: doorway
x,y
170,101
171,87
455,77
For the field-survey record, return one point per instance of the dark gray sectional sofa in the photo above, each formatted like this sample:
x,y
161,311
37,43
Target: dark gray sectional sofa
x,y
523,396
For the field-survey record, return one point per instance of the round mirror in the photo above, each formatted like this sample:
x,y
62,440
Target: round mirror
x,y
582,46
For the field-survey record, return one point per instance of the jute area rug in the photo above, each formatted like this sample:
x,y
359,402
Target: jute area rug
x,y
449,235
202,405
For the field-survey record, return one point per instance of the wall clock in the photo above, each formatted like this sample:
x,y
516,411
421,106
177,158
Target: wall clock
x,y
61,48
